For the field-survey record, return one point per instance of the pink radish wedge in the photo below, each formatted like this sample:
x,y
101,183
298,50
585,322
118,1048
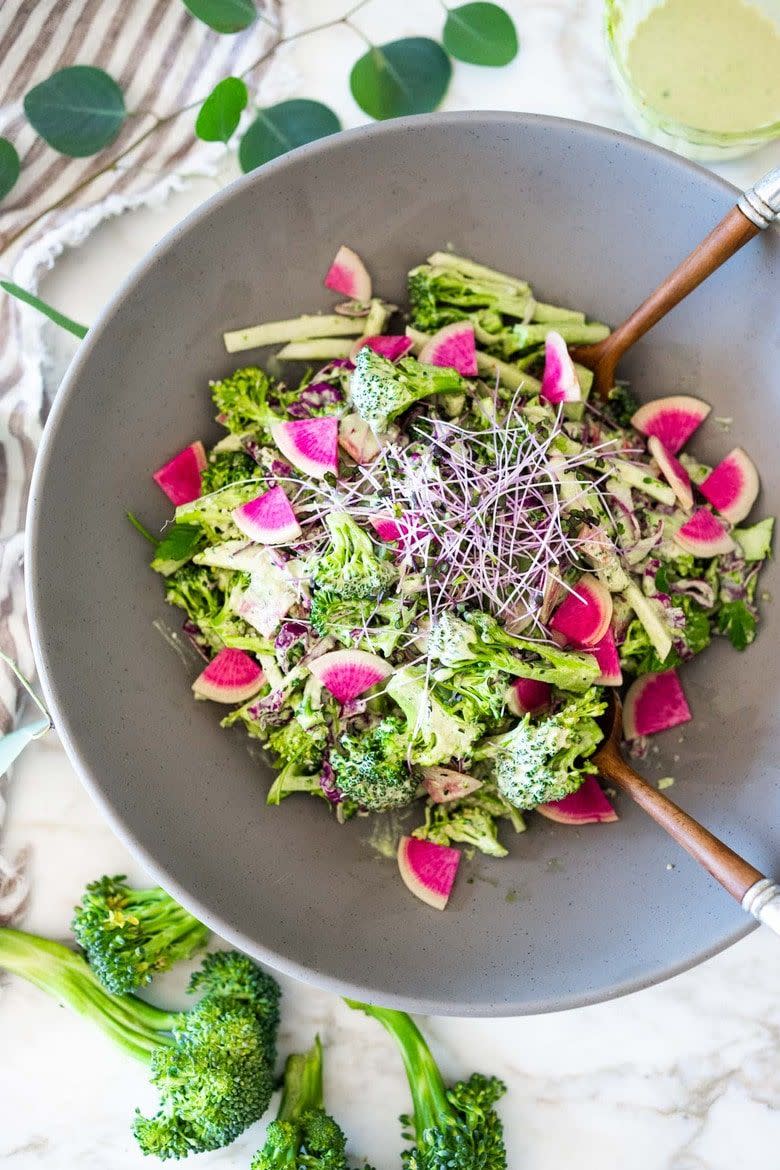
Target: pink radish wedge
x,y
179,478
587,806
732,486
231,677
654,702
357,439
606,654
310,444
704,535
559,380
452,346
348,275
268,519
428,870
672,420
445,784
673,472
388,528
388,346
584,615
349,673
528,696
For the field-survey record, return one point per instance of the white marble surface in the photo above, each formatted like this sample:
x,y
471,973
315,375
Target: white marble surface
x,y
683,1076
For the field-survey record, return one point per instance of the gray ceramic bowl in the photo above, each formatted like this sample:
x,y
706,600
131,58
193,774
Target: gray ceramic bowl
x,y
593,219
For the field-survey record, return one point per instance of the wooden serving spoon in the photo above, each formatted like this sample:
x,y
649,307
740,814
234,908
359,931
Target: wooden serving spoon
x,y
755,892
754,211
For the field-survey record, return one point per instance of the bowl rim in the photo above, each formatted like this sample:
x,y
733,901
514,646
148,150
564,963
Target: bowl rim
x,y
69,735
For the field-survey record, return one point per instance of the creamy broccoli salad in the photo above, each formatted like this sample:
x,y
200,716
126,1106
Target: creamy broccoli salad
x,y
412,575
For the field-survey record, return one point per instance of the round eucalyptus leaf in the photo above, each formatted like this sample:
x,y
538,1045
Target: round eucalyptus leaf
x,y
220,114
482,34
78,110
9,166
283,127
224,16
409,76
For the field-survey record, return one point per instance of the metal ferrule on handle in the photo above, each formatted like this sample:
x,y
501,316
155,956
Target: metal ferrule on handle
x,y
762,900
761,204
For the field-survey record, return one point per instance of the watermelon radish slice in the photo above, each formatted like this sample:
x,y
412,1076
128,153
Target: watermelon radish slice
x,y
390,346
673,472
428,870
704,535
268,519
559,380
357,439
606,654
654,702
528,696
310,444
349,673
179,478
348,275
587,806
732,486
583,617
452,346
445,784
672,420
231,677
387,528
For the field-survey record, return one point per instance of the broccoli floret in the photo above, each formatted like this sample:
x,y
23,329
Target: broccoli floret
x,y
241,400
568,669
350,568
381,390
435,735
214,512
292,778
439,296
470,821
294,745
129,935
380,624
476,691
371,768
212,1065
195,589
454,1127
303,1136
539,762
227,467
621,405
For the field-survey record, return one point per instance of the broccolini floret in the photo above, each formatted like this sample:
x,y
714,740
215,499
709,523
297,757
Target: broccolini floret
x,y
303,1136
543,761
294,745
241,399
454,1128
372,768
381,390
227,467
350,567
472,820
435,735
213,1065
129,935
439,296
380,624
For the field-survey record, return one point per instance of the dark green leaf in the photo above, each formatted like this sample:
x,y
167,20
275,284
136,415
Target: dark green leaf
x,y
53,314
9,166
482,34
738,624
176,547
282,128
78,110
403,77
224,16
221,112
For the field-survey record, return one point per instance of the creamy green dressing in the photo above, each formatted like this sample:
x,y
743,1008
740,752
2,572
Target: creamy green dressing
x,y
712,64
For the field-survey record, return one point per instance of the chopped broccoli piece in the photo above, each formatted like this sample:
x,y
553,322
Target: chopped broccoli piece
x,y
638,654
129,935
621,405
380,624
241,399
440,295
227,467
435,735
212,1065
350,568
381,390
195,589
453,1128
371,767
296,745
539,762
470,821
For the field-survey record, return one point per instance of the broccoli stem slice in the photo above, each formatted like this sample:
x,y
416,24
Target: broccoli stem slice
x,y
316,349
302,1088
296,329
432,1109
134,1025
470,268
377,317
550,314
572,332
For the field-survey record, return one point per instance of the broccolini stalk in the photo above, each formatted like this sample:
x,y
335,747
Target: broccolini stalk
x,y
296,329
129,935
453,1127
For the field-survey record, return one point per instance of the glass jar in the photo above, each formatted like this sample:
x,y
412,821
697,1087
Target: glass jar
x,y
621,21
